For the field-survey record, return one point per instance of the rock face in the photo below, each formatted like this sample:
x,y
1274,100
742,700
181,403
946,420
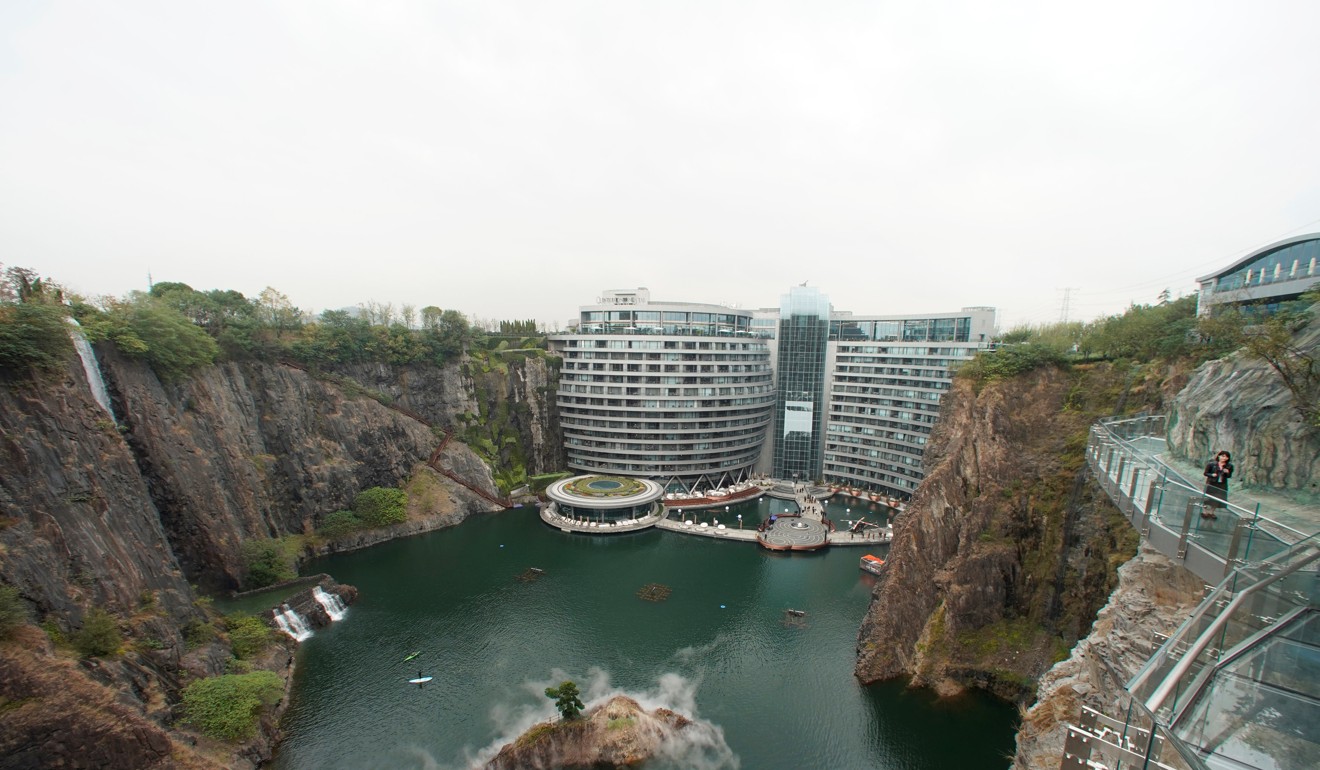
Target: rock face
x,y
1007,549
244,450
1154,594
451,396
617,733
125,517
1240,404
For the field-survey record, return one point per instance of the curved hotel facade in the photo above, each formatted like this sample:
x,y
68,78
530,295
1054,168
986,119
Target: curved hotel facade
x,y
706,395
664,390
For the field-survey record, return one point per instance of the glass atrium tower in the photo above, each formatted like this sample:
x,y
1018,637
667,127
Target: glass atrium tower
x,y
804,327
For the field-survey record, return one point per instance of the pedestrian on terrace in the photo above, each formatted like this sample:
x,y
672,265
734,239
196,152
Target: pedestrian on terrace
x,y
1217,473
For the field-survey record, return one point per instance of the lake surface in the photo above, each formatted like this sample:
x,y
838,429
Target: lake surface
x,y
767,693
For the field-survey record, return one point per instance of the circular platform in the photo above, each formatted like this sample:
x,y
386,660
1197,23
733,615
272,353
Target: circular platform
x,y
793,533
604,499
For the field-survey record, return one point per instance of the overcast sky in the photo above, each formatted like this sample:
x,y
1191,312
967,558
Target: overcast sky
x,y
513,159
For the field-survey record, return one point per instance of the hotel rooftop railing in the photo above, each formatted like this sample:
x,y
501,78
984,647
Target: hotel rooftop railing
x,y
1238,684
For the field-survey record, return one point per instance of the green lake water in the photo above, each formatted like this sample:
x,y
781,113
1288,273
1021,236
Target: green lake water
x,y
767,694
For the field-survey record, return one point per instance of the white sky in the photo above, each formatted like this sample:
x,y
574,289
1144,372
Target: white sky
x,y
513,159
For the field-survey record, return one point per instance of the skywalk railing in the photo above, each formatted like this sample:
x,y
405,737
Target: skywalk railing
x,y
1172,514
1267,584
1161,719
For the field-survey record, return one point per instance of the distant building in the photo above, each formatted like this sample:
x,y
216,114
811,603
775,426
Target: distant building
x,y
685,393
1277,273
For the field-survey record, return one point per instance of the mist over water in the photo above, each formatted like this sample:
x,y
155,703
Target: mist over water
x,y
763,693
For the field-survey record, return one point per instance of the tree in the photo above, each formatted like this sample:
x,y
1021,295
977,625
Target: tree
x,y
1276,340
277,311
566,699
33,337
99,635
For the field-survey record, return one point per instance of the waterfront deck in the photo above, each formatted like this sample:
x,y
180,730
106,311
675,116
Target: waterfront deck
x,y
551,516
719,532
807,530
741,493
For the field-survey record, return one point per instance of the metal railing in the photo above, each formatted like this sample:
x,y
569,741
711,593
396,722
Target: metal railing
x,y
1267,585
1172,514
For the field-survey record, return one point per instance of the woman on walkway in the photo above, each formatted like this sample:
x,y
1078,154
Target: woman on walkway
x,y
1217,473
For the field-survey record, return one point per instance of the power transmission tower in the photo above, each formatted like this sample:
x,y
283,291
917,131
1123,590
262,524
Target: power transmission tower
x,y
1063,307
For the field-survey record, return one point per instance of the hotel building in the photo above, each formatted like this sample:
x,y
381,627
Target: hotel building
x,y
685,392
676,391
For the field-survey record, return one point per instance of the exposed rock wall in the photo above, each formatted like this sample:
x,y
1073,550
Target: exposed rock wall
x,y
244,450
125,517
1154,595
1239,404
451,396
1008,548
78,527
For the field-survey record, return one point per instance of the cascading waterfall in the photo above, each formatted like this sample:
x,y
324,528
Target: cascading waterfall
x,y
292,623
334,606
91,367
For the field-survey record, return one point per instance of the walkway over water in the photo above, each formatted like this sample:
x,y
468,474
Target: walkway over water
x,y
1238,684
817,532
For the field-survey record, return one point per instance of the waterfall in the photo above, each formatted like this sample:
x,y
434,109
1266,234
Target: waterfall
x,y
91,368
291,623
334,606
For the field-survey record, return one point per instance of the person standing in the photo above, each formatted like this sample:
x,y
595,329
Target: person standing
x,y
1217,473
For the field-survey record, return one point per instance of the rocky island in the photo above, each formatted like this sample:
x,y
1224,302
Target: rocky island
x,y
616,733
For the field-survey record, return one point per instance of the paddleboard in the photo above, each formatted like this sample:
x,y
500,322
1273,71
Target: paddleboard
x,y
410,657
420,680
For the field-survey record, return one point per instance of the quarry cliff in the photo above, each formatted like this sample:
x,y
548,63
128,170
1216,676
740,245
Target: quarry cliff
x,y
1008,548
139,514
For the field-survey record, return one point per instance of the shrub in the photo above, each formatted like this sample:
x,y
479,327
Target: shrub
x,y
13,612
266,562
197,632
339,523
248,635
379,506
99,635
1010,361
227,707
33,337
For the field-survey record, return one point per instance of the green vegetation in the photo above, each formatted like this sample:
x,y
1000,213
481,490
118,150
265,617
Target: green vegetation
x,y
379,506
227,707
248,635
339,523
33,338
1010,361
150,329
99,637
13,612
1170,331
566,699
539,482
197,633
271,561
